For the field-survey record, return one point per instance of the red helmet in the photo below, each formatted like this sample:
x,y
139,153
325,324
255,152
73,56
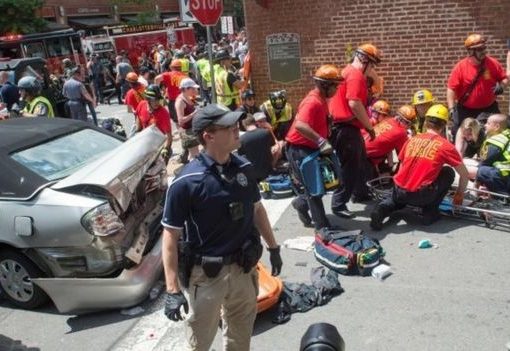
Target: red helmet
x,y
474,41
176,63
370,51
407,112
132,77
382,107
328,73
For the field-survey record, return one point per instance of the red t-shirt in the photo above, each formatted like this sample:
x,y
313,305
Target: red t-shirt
x,y
159,117
463,74
313,110
134,96
389,135
422,158
354,87
171,81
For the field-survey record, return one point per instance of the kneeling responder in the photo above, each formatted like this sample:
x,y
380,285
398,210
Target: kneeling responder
x,y
423,179
390,134
494,170
278,113
422,101
308,134
379,111
36,105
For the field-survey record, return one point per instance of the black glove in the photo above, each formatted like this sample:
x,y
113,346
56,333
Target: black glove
x,y
173,303
498,89
276,260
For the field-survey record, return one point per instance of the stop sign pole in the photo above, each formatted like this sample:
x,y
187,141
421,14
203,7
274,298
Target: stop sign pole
x,y
207,13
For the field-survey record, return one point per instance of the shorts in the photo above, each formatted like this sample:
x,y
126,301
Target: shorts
x,y
188,139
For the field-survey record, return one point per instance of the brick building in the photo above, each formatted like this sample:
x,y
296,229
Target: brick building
x,y
421,40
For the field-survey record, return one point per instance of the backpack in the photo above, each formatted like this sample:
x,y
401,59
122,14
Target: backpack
x,y
347,252
276,187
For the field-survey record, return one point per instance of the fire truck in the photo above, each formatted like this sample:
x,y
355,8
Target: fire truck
x,y
137,39
52,46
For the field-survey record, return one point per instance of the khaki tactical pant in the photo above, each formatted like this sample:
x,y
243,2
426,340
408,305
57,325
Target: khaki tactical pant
x,y
231,295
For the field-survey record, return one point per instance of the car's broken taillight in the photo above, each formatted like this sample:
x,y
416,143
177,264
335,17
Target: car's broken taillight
x,y
102,221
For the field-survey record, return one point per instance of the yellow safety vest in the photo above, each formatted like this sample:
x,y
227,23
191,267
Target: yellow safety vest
x,y
285,115
30,107
502,142
226,96
184,66
205,70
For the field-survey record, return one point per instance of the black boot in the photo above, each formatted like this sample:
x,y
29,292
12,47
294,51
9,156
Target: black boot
x,y
301,206
377,217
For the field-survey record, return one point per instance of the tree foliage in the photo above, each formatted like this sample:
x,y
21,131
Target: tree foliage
x,y
19,16
144,17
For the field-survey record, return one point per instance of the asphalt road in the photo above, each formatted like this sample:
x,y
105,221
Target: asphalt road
x,y
452,297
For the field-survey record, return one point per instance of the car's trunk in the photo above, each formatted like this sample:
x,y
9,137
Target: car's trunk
x,y
133,178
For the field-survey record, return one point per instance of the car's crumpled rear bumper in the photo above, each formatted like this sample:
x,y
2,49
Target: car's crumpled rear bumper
x,y
80,295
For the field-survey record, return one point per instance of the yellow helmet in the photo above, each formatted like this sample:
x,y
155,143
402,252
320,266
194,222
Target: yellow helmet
x,y
422,97
438,111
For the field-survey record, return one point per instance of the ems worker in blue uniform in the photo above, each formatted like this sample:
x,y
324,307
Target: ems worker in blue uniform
x,y
213,220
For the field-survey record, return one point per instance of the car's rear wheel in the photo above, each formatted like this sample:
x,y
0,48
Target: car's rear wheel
x,y
16,274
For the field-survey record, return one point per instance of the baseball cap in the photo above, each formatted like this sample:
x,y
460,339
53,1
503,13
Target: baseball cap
x,y
214,114
259,116
188,83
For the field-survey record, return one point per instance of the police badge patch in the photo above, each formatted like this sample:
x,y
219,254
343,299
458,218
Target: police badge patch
x,y
241,179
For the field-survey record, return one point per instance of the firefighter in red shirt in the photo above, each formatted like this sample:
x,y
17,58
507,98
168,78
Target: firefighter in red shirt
x,y
307,134
348,108
390,134
474,83
172,80
134,95
151,111
423,179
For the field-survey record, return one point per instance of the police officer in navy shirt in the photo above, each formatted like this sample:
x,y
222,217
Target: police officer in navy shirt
x,y
213,221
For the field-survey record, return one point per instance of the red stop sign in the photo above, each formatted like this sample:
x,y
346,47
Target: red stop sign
x,y
207,12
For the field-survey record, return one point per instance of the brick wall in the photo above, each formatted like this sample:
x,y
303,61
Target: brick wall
x,y
421,40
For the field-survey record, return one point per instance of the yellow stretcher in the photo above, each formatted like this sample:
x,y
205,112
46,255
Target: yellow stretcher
x,y
492,209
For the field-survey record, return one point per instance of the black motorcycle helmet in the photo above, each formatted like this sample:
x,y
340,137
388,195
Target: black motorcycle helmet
x,y
153,92
278,99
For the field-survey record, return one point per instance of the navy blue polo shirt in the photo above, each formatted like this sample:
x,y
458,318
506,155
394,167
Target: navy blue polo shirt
x,y
9,94
205,200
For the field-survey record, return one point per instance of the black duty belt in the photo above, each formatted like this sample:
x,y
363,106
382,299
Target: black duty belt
x,y
343,124
226,260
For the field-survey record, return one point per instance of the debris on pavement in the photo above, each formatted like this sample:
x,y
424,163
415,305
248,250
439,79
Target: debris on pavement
x,y
302,243
381,272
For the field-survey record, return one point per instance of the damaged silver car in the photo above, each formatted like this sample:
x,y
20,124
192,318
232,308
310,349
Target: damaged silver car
x,y
80,212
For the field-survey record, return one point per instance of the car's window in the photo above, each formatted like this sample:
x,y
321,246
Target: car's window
x,y
63,156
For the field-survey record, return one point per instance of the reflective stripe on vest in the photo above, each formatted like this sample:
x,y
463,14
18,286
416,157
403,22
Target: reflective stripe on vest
x,y
225,95
31,106
285,115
